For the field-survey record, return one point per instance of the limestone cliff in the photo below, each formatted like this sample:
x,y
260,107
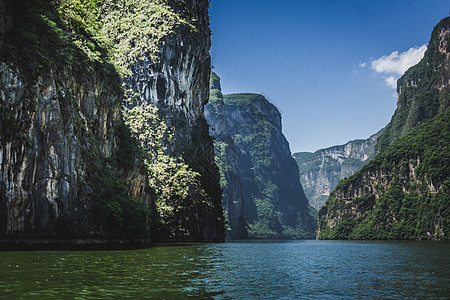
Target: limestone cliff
x,y
321,171
423,91
404,192
62,135
102,127
226,156
167,83
273,202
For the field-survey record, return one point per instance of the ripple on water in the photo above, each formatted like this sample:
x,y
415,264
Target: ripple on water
x,y
282,270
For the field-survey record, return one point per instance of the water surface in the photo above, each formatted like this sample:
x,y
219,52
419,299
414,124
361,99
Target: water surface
x,y
292,269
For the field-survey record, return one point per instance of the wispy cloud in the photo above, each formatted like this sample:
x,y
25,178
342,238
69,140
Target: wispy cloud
x,y
391,81
394,65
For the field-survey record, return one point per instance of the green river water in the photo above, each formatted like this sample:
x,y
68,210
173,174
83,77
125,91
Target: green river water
x,y
244,270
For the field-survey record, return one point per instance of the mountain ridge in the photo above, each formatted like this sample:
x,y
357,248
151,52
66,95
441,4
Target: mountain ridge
x,y
321,171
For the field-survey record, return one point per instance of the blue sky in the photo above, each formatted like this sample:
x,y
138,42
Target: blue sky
x,y
329,66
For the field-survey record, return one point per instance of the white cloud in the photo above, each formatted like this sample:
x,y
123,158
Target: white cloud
x,y
362,64
391,81
395,64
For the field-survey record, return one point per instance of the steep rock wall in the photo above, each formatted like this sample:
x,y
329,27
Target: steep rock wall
x,y
170,85
321,171
227,155
72,138
55,125
423,91
274,204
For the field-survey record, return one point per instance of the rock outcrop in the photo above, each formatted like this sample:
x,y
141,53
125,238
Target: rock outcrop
x,y
60,138
321,171
226,156
105,137
172,83
273,202
404,192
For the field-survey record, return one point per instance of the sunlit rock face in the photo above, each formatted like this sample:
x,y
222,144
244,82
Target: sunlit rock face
x,y
63,142
177,83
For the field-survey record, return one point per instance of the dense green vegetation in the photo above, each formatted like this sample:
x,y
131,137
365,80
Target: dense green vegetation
x,y
70,26
407,209
116,212
243,99
420,97
90,35
137,28
221,150
177,188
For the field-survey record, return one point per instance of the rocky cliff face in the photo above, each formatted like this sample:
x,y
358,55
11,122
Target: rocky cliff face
x,y
57,129
404,192
226,156
171,86
274,204
72,138
321,171
423,90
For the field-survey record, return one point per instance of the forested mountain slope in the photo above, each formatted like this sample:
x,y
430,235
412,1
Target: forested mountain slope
x,y
404,192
